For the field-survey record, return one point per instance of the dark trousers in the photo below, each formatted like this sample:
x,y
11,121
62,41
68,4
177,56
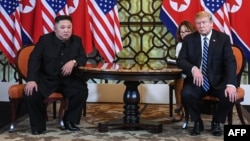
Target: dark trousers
x,y
191,96
36,107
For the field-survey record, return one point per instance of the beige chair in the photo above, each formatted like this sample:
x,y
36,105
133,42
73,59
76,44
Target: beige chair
x,y
16,91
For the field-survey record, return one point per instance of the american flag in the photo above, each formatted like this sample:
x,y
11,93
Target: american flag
x,y
10,37
105,27
219,11
50,9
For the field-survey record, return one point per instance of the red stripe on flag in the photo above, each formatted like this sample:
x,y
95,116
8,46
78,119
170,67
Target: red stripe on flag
x,y
240,22
107,39
118,40
10,35
48,20
17,34
221,19
102,37
81,23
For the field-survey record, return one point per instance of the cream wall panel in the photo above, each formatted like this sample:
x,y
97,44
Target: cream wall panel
x,y
155,93
105,92
247,94
4,90
149,93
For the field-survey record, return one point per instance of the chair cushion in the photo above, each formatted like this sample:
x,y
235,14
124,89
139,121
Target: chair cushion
x,y
16,91
55,95
240,92
210,98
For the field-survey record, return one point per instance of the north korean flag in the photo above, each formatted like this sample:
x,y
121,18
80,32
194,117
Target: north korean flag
x,y
78,10
240,21
31,20
173,12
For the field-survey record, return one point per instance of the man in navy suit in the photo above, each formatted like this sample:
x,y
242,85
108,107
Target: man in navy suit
x,y
220,72
53,67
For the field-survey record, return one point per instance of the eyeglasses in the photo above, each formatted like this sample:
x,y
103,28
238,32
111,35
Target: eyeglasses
x,y
183,32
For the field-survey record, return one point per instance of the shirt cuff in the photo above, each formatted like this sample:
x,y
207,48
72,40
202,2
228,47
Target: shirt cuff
x,y
230,85
192,69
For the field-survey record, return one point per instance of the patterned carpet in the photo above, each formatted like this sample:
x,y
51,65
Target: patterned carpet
x,y
102,112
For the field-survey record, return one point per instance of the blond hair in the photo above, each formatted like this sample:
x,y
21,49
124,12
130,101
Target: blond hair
x,y
202,14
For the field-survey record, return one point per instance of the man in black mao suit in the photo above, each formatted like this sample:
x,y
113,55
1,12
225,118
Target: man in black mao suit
x,y
221,72
53,67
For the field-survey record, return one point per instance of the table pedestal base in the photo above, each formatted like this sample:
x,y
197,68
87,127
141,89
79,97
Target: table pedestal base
x,y
148,125
131,119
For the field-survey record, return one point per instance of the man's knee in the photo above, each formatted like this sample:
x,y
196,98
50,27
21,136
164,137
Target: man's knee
x,y
34,98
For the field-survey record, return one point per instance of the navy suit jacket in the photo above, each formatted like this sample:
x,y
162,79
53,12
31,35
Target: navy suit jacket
x,y
221,61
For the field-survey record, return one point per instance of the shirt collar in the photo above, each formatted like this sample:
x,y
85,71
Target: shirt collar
x,y
208,35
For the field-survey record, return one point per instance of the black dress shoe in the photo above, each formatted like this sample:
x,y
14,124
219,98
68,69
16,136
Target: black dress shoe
x,y
38,132
198,127
71,126
216,130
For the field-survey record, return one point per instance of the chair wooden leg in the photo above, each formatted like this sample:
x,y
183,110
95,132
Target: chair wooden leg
x,y
15,107
46,114
171,89
54,109
239,112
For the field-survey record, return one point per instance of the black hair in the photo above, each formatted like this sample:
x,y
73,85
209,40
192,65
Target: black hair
x,y
62,17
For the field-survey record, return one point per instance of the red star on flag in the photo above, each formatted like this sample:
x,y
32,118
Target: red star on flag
x,y
180,2
232,3
71,3
25,3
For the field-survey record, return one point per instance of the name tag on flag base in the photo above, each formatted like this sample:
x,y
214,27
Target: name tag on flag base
x,y
241,132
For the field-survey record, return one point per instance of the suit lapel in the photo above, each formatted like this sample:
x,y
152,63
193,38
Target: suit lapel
x,y
198,49
212,46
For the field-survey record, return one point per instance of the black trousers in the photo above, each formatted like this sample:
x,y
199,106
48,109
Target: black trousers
x,y
36,107
191,96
